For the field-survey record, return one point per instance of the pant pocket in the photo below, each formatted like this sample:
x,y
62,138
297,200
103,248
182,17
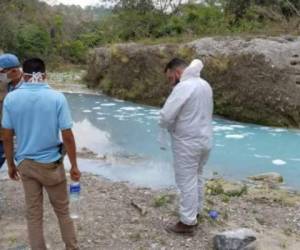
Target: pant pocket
x,y
53,175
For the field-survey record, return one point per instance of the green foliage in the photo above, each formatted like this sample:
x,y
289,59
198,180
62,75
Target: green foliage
x,y
162,200
204,19
74,51
32,41
33,28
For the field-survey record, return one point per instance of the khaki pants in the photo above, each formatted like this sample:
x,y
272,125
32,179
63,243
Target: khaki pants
x,y
52,177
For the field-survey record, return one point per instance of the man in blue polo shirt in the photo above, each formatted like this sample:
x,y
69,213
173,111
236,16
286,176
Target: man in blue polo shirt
x,y
10,79
36,114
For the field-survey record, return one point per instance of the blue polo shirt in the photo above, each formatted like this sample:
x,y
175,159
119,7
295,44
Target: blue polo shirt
x,y
36,113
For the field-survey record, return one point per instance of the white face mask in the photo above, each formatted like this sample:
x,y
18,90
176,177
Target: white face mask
x,y
4,78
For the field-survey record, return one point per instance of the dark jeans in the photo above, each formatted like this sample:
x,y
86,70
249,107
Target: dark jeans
x,y
2,157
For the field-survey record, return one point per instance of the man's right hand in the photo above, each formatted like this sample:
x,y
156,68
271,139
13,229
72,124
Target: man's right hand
x,y
13,173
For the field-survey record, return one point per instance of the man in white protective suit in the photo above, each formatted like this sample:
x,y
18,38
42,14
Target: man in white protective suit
x,y
187,114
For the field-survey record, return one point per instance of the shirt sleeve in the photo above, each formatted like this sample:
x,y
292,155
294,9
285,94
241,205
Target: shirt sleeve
x,y
6,116
64,114
173,105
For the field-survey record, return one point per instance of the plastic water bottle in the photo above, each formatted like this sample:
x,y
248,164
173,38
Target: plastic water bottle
x,y
74,199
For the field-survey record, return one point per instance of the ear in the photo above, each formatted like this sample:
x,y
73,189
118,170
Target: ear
x,y
16,71
178,72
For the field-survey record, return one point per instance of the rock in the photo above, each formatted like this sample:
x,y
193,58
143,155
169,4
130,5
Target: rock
x,y
271,177
240,239
142,210
254,80
221,186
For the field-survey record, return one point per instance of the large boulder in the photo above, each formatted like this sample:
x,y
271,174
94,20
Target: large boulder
x,y
240,239
254,80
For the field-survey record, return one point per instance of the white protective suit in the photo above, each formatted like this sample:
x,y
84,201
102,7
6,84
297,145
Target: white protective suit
x,y
187,114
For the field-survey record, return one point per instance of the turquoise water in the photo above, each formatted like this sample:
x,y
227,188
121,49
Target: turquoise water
x,y
126,134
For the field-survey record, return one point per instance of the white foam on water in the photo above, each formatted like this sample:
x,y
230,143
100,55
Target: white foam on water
x,y
97,102
235,136
136,115
101,118
222,128
119,116
265,128
220,145
87,111
155,112
279,130
128,108
108,104
278,162
96,108
262,156
237,126
100,113
252,149
152,117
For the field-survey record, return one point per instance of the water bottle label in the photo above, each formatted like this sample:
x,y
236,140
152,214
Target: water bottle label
x,y
74,188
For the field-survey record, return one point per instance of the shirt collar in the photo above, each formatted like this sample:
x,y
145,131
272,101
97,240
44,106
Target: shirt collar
x,y
37,85
11,87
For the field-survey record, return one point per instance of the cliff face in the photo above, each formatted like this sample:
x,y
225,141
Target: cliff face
x,y
254,80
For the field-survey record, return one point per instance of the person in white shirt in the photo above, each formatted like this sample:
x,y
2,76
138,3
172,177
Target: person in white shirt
x,y
187,115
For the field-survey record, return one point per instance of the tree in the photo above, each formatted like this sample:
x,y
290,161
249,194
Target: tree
x,y
33,41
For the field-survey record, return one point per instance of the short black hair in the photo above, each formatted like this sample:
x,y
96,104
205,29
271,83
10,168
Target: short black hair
x,y
175,63
34,65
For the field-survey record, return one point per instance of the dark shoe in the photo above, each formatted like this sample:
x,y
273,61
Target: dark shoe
x,y
180,228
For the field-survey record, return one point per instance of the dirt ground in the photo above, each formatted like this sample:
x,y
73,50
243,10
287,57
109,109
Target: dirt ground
x,y
122,216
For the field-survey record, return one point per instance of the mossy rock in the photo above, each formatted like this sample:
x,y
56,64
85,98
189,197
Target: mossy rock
x,y
222,187
268,177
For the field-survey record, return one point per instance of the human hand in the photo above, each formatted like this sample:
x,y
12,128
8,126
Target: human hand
x,y
75,173
13,173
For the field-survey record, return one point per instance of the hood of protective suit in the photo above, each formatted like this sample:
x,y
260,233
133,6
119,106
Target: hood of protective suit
x,y
193,70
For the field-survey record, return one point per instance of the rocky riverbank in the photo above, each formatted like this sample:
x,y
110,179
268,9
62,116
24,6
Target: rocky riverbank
x,y
254,79
70,81
123,216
